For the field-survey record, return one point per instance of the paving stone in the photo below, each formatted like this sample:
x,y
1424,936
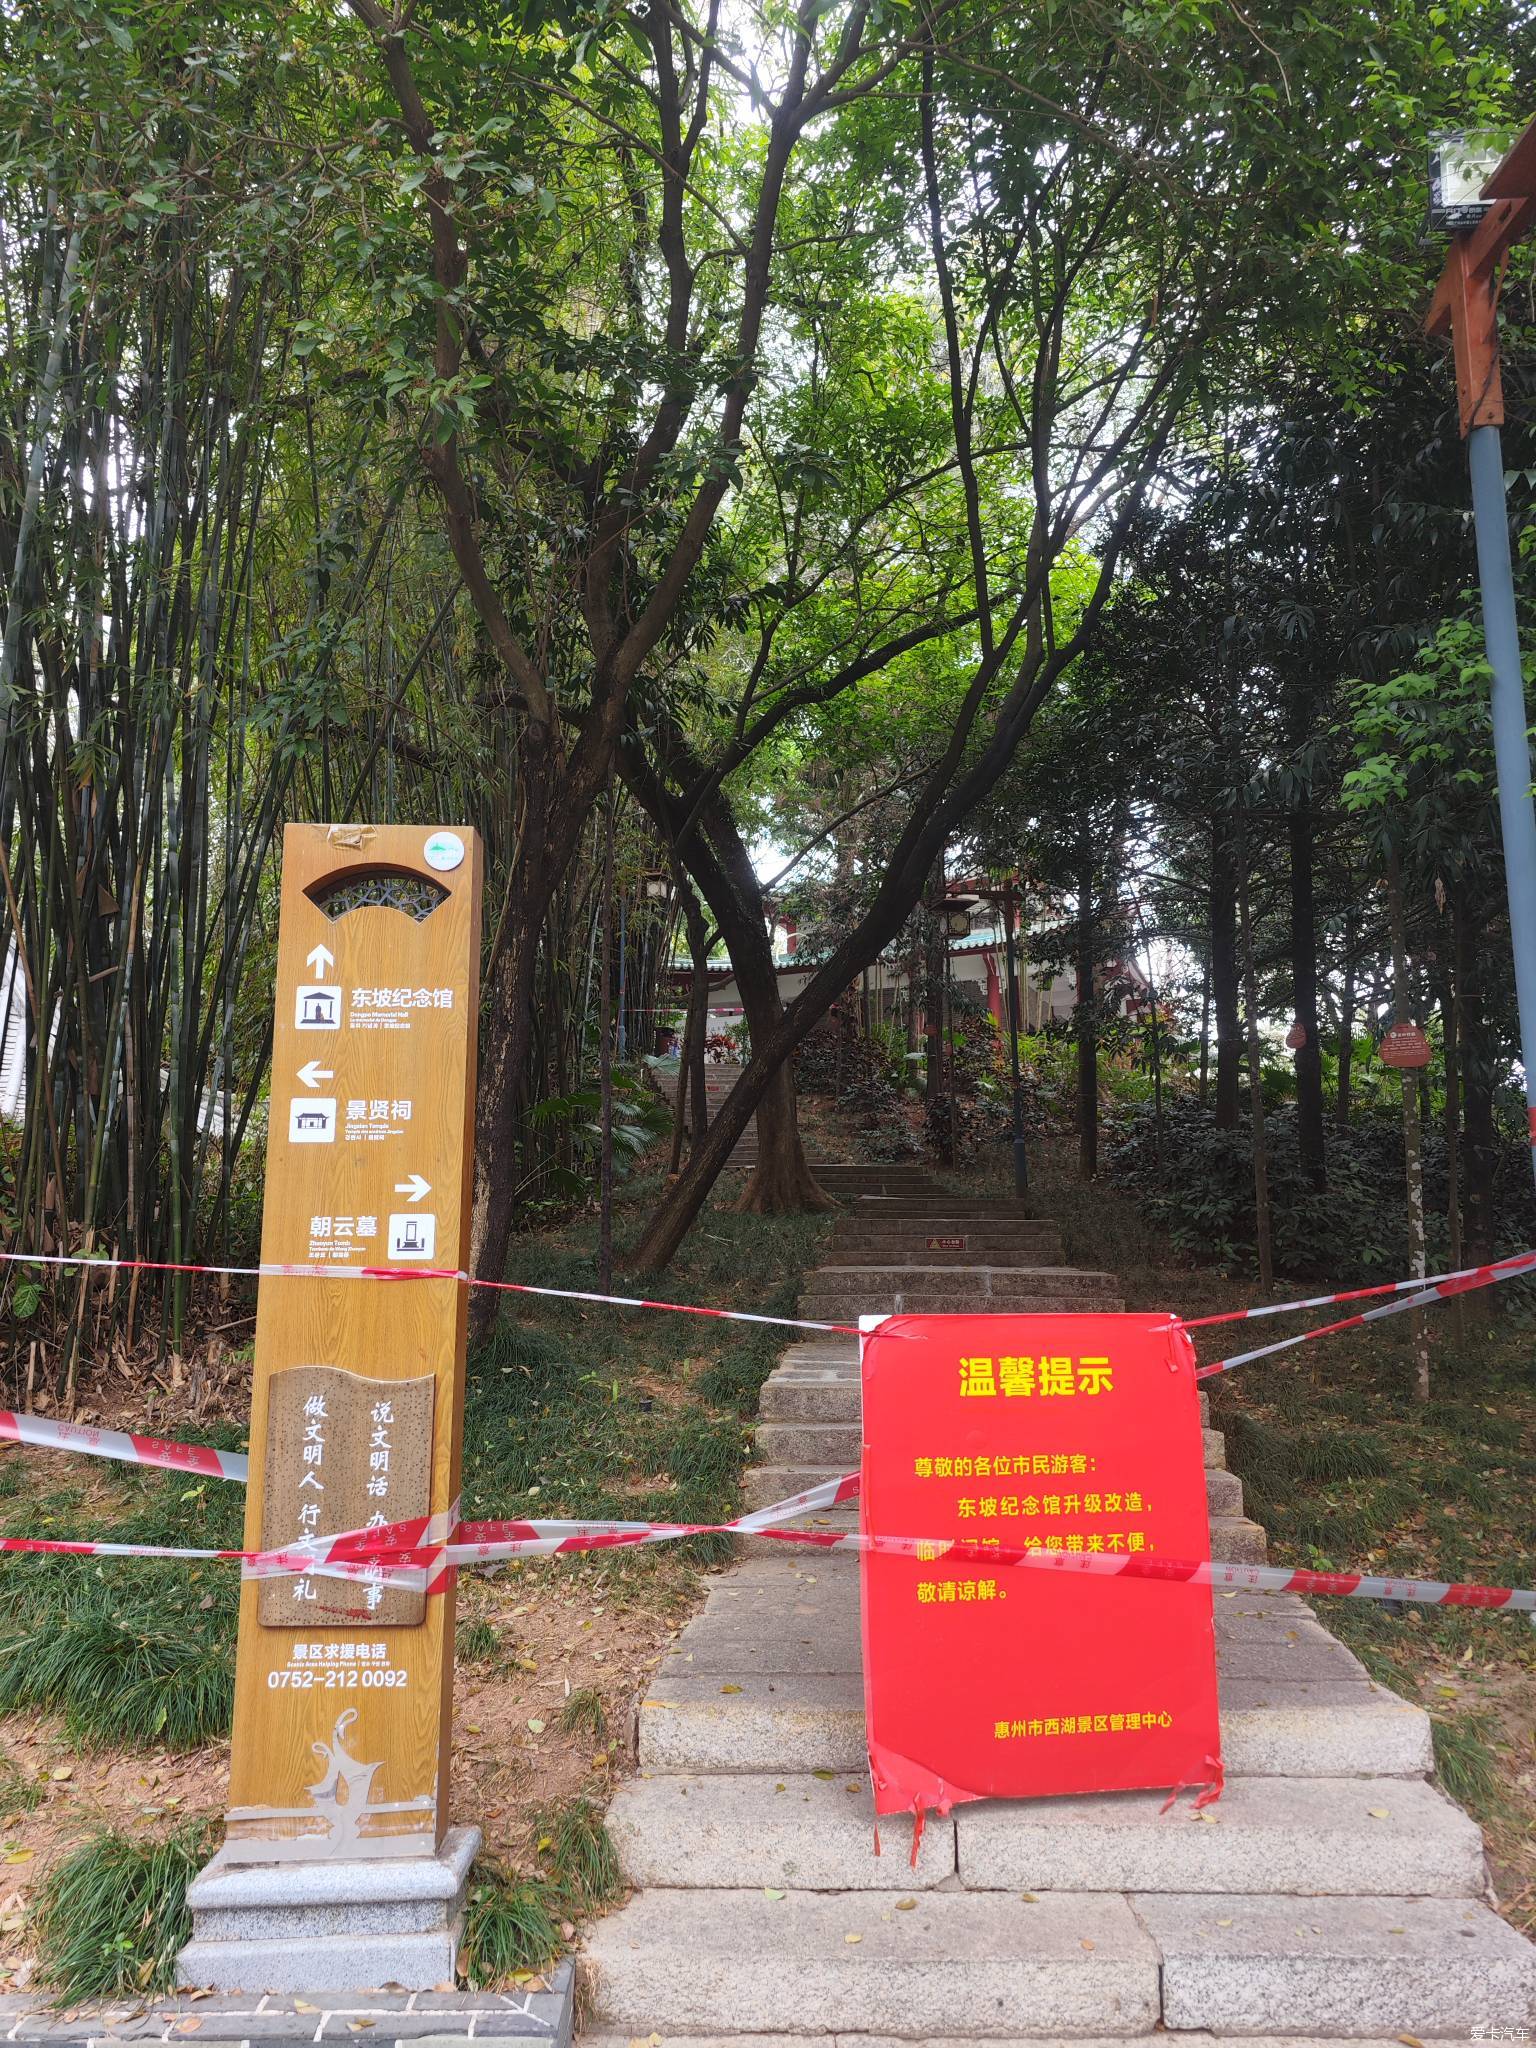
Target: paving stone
x,y
1352,1967
955,1962
802,1832
1280,1835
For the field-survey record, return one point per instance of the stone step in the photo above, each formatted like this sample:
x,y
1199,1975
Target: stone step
x,y
896,1208
978,1280
1339,1836
820,1440
809,1721
1360,1966
950,1964
889,1301
730,1830
832,1397
1234,1539
1038,1252
829,1392
849,2040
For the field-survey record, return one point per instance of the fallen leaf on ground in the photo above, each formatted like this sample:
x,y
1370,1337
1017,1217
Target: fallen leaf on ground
x,y
770,1893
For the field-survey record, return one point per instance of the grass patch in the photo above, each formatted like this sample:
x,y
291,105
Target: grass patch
x,y
583,1867
112,1918
516,1923
131,1651
584,1711
18,1793
510,1926
476,1641
143,1666
1466,1763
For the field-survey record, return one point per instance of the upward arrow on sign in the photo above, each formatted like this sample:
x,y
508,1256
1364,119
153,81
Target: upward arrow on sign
x,y
321,958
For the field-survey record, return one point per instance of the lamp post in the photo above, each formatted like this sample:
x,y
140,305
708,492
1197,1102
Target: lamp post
x,y
1487,211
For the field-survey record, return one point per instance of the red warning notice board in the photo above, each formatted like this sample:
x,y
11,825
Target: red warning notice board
x,y
1065,1433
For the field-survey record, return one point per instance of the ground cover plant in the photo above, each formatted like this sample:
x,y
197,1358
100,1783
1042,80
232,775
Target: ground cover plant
x,y
116,1678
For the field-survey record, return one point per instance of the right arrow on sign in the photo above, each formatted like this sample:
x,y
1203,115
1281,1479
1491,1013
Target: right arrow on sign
x,y
414,1188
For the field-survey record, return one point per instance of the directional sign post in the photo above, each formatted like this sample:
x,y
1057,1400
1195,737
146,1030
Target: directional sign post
x,y
339,1762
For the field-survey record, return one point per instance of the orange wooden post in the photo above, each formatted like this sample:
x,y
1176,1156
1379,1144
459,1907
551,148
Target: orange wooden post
x,y
343,1688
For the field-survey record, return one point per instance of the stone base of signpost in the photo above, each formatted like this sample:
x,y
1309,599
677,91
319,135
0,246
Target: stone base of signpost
x,y
347,1927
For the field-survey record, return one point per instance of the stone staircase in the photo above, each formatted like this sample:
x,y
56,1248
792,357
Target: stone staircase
x,y
1332,1893
720,1077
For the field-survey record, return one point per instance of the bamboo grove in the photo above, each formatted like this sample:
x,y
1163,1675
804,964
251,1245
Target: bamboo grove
x,y
618,419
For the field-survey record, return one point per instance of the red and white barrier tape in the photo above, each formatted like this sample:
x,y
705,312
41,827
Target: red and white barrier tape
x,y
1470,1276
1433,1291
363,1554
124,1445
274,1271
408,1548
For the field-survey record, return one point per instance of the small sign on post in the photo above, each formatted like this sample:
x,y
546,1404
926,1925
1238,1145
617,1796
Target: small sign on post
x,y
1059,1433
343,1685
1404,1045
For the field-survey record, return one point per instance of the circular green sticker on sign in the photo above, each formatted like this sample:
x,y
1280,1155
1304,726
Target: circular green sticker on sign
x,y
444,850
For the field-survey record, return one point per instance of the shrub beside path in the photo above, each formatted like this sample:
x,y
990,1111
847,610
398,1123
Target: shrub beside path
x,y
1333,1893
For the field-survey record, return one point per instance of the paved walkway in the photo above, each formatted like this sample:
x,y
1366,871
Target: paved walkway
x,y
1332,1893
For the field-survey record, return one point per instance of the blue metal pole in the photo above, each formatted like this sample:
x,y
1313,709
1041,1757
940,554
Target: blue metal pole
x,y
1511,745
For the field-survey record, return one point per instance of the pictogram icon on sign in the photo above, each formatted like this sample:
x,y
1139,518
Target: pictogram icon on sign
x,y
317,1007
312,1120
412,1236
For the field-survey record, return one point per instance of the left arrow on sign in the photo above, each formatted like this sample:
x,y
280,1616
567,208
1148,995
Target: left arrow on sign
x,y
312,1074
320,958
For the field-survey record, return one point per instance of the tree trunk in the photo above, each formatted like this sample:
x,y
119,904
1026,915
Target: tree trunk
x,y
934,952
782,1183
1413,1151
1309,1054
605,1065
1346,1030
1224,972
1263,1230
1475,1043
1452,1128
1205,1034
506,1032
691,1085
1085,1018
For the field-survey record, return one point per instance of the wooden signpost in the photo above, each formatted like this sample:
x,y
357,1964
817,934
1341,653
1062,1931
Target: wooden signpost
x,y
343,1687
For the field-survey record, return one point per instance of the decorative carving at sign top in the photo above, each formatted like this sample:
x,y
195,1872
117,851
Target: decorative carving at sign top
x,y
343,1452
342,1819
379,889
